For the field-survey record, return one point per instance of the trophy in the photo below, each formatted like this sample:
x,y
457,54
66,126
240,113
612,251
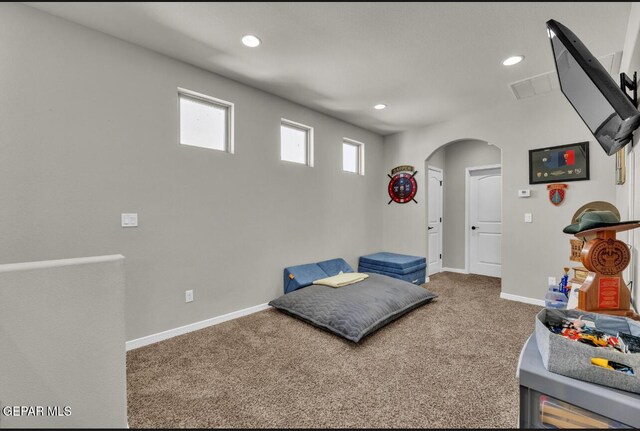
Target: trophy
x,y
605,257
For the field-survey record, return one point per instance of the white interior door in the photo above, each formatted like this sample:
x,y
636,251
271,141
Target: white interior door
x,y
485,221
434,229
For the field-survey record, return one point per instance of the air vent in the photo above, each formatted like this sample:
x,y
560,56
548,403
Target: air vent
x,y
548,82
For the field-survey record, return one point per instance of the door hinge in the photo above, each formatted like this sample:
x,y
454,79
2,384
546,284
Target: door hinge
x,y
440,182
440,219
441,256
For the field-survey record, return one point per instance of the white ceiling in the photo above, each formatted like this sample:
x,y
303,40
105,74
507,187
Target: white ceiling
x,y
427,61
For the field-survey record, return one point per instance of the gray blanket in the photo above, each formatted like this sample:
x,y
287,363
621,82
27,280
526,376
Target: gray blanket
x,y
356,310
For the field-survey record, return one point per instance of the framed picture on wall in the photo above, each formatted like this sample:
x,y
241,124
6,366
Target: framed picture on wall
x,y
559,164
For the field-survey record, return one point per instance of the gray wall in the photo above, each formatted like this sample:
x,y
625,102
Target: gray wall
x,y
459,156
530,252
63,342
89,131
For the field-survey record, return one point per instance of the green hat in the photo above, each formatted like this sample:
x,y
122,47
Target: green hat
x,y
591,221
595,206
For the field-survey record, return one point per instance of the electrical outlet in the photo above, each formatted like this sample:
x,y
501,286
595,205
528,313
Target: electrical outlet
x,y
188,296
553,281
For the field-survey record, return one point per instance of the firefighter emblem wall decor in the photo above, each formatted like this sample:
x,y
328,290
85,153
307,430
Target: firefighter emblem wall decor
x,y
402,186
557,193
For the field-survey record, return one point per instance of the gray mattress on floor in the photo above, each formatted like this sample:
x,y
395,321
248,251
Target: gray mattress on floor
x,y
356,310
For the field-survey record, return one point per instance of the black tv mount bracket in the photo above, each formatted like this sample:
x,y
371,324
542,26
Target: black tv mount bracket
x,y
628,83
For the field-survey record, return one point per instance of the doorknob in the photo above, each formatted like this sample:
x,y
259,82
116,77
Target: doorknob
x,y
474,227
430,227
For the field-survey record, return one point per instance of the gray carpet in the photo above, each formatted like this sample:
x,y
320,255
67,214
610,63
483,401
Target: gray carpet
x,y
450,363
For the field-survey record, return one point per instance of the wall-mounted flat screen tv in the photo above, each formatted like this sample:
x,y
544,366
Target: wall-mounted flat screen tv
x,y
603,106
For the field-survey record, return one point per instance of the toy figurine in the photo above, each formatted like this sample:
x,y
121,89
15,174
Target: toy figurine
x,y
564,281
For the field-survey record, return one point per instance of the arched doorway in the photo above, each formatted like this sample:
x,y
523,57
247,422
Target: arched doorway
x,y
464,208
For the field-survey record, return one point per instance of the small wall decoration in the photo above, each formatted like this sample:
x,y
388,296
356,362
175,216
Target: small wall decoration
x,y
556,193
561,163
402,186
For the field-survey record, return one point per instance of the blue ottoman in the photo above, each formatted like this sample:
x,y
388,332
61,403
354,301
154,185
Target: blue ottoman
x,y
408,268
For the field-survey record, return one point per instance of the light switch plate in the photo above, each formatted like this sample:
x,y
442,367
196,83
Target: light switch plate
x,y
129,220
528,218
524,193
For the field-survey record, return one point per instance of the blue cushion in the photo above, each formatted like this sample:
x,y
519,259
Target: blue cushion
x,y
417,277
334,266
392,260
296,277
364,266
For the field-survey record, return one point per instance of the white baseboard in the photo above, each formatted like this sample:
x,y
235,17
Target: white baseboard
x,y
160,336
524,299
459,271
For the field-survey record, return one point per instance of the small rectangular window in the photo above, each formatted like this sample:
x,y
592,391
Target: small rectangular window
x,y
352,156
296,142
205,121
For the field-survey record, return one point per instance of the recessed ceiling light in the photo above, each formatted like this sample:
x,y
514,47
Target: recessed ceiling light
x,y
251,41
513,60
380,106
